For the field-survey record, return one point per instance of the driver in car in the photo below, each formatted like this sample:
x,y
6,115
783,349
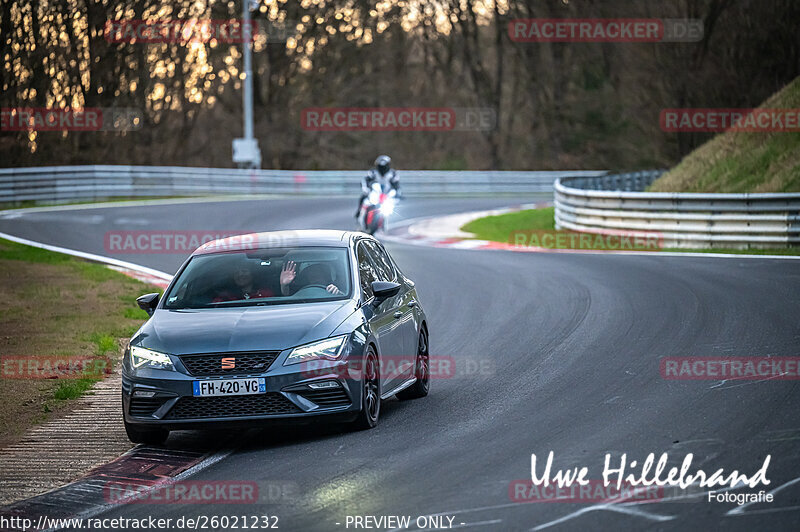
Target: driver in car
x,y
315,274
245,289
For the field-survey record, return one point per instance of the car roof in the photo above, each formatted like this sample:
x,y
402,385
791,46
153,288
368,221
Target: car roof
x,y
280,239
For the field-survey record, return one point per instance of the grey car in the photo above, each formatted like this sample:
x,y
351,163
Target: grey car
x,y
276,327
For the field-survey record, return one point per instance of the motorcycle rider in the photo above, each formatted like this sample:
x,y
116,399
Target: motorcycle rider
x,y
382,173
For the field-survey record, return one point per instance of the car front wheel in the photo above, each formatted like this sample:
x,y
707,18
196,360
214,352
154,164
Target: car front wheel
x,y
422,371
370,393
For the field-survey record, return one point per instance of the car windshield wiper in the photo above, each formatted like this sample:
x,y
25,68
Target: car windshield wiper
x,y
242,302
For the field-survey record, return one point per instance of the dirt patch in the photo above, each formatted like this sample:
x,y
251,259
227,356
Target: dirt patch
x,y
56,306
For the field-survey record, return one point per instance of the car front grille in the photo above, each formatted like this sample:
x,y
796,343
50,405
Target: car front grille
x,y
327,398
211,364
232,406
145,406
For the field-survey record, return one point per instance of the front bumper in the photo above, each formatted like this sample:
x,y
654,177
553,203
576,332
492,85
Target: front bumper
x,y
164,399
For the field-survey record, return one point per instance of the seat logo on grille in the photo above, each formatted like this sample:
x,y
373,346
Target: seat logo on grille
x,y
228,363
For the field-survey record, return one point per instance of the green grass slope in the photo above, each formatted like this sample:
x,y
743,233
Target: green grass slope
x,y
742,162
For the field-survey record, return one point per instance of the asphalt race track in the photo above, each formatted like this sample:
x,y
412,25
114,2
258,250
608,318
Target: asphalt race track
x,y
557,352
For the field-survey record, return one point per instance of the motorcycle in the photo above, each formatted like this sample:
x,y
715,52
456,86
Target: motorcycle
x,y
377,207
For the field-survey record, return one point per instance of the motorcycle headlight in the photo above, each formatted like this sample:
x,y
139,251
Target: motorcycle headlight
x,y
145,358
388,206
328,349
374,197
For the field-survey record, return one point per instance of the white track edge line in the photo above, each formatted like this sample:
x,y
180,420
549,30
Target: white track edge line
x,y
97,510
89,256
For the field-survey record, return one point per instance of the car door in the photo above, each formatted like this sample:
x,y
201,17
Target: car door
x,y
384,324
403,310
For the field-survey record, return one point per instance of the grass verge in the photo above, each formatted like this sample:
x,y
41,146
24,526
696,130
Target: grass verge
x,y
503,227
56,306
500,228
740,161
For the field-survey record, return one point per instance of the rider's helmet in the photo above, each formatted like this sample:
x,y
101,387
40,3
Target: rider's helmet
x,y
383,164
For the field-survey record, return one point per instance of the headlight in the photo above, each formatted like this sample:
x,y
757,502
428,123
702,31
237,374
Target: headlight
x,y
374,197
141,357
387,207
328,349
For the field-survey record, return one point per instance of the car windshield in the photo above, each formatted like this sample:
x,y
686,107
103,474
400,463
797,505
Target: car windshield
x,y
262,277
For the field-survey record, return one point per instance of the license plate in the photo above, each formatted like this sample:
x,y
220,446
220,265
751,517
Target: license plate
x,y
214,388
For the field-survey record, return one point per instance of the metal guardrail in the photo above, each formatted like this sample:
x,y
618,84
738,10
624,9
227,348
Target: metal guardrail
x,y
616,203
87,183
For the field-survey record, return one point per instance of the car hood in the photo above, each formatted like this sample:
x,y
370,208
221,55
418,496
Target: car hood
x,y
265,328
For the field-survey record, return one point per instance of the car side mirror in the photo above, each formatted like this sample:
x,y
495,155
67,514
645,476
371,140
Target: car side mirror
x,y
383,290
148,303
